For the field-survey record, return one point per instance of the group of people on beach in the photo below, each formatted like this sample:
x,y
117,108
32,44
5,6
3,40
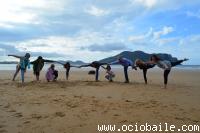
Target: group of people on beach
x,y
52,73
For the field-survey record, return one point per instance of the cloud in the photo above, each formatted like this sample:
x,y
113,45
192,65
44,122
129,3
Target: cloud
x,y
69,47
153,37
165,30
93,10
140,39
146,3
12,49
6,26
62,27
193,14
106,47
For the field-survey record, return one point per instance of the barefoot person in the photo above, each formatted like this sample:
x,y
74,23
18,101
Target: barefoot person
x,y
38,64
125,63
143,66
165,65
109,73
95,64
23,64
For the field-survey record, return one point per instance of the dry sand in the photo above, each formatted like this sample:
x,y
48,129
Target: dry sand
x,y
79,105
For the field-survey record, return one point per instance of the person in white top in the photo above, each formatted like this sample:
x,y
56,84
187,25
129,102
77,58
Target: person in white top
x,y
165,65
109,73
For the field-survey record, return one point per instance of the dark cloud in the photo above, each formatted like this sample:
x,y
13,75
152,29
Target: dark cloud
x,y
109,47
9,49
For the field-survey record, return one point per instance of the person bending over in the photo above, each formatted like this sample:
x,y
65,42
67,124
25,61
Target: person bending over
x,y
144,66
166,66
96,65
125,63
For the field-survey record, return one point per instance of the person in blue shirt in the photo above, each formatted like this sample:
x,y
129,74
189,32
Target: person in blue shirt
x,y
23,64
125,63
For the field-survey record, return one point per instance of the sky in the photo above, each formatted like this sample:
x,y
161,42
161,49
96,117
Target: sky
x,y
91,30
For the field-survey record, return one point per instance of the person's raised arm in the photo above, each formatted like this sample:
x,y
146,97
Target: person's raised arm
x,y
84,65
114,62
32,62
16,56
75,66
51,61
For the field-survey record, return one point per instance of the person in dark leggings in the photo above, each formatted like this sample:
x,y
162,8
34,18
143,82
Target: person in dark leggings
x,y
143,66
55,72
125,63
67,66
95,64
38,64
166,66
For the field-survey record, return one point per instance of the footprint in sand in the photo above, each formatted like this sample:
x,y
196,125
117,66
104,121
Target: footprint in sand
x,y
18,115
75,96
36,116
37,103
71,105
128,101
109,97
12,110
123,121
57,100
7,106
82,125
27,122
116,115
60,114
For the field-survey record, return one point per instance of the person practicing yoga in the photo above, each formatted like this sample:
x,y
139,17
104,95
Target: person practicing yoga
x,y
143,66
95,64
165,65
23,64
109,73
67,66
38,64
125,63
51,74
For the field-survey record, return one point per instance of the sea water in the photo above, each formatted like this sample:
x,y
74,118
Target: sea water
x,y
60,67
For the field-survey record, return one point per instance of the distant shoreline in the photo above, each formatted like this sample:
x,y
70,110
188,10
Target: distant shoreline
x,y
60,67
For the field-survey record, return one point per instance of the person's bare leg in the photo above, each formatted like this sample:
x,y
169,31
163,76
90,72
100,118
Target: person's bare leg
x,y
16,72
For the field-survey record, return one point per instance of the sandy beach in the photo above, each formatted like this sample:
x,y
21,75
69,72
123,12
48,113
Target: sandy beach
x,y
80,104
